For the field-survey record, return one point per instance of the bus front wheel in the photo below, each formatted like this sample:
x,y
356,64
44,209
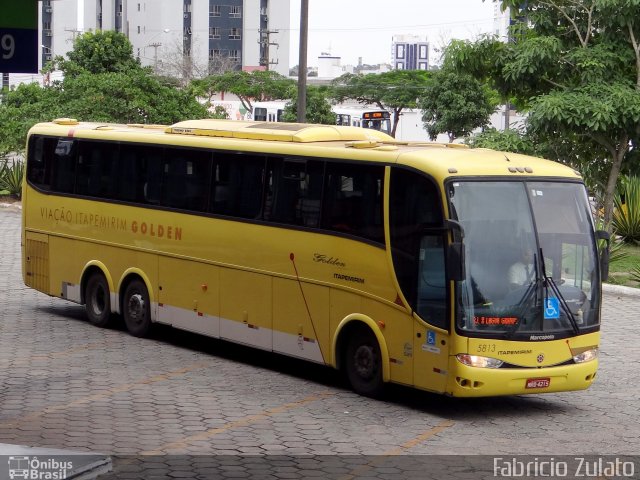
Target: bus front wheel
x,y
97,300
136,309
363,363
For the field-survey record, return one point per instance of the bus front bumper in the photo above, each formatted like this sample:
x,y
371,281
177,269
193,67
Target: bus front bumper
x,y
466,381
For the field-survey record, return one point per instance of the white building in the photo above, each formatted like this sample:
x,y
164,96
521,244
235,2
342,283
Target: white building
x,y
215,35
410,52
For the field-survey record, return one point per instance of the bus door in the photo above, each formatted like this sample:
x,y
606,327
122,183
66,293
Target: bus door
x,y
418,254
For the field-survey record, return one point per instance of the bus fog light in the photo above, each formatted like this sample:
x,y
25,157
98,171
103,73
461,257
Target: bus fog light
x,y
586,356
477,361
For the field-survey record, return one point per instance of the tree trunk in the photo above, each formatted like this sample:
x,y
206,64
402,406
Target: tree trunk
x,y
610,190
396,120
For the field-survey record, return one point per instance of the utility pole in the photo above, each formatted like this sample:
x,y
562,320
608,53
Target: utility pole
x,y
155,46
265,42
302,62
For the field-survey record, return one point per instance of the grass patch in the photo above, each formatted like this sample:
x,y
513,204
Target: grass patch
x,y
620,271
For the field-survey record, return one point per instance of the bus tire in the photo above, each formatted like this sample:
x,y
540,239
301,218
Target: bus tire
x,y
363,363
136,309
97,300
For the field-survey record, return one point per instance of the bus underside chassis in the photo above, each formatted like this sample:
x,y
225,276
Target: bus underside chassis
x,y
362,362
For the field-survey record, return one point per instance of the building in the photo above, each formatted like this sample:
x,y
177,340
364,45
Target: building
x,y
203,36
410,52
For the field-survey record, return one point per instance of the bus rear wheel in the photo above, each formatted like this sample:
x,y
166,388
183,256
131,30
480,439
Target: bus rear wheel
x,y
363,363
136,309
97,300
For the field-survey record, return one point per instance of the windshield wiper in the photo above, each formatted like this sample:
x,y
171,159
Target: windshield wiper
x,y
554,287
524,302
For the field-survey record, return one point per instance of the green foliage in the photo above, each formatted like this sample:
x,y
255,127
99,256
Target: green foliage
x,y
100,52
506,141
262,85
103,82
131,97
575,66
395,90
635,273
220,112
626,216
318,109
20,109
11,177
455,104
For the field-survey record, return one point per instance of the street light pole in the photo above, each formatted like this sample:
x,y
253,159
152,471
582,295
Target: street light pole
x,y
302,62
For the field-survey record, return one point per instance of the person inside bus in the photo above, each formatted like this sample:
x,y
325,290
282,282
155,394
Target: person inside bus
x,y
523,271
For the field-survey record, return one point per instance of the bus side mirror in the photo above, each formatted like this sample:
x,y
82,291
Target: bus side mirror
x,y
455,253
604,253
455,261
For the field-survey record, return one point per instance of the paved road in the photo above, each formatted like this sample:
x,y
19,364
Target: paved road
x,y
67,384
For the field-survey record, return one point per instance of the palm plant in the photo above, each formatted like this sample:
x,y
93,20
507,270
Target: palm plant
x,y
626,217
11,177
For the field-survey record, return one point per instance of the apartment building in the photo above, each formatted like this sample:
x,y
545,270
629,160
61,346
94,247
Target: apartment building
x,y
409,52
173,36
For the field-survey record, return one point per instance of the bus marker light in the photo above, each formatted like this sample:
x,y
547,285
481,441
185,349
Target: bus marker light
x,y
538,382
381,324
204,287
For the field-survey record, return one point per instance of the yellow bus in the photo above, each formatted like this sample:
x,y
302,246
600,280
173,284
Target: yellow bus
x,y
467,272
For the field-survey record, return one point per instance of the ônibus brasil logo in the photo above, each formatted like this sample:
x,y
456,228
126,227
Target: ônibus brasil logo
x,y
32,468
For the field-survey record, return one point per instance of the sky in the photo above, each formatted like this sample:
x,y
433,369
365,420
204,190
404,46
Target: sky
x,y
364,28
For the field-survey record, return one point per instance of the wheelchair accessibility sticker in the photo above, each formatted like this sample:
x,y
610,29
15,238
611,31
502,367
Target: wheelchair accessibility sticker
x,y
551,308
430,343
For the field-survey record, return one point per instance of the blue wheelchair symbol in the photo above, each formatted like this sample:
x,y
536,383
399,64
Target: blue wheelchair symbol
x,y
551,308
431,338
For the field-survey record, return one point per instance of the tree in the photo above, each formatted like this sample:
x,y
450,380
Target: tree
x,y
100,52
118,91
318,108
575,66
247,86
395,90
455,104
131,97
20,109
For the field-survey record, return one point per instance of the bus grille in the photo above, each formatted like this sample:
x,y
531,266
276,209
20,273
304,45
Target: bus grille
x,y
37,265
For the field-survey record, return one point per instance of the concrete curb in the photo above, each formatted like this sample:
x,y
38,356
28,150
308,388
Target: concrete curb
x,y
620,290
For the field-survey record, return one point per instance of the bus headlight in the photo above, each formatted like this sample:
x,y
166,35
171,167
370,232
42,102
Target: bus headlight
x,y
586,356
477,361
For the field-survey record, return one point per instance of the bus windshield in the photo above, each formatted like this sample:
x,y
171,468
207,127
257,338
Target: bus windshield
x,y
530,259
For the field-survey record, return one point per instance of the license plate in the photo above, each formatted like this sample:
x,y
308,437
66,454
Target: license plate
x,y
538,383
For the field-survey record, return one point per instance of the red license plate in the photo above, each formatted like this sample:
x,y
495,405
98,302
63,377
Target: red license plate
x,y
538,383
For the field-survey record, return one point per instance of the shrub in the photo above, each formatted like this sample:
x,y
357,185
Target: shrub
x,y
11,177
626,216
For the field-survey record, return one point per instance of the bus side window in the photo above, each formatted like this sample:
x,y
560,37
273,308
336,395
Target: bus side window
x,y
137,165
40,161
237,185
353,200
64,165
418,258
294,194
186,179
95,170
